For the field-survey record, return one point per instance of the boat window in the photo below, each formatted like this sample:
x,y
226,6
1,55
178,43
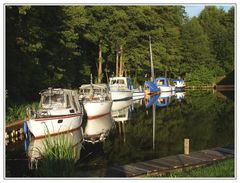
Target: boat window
x,y
74,103
53,100
68,102
117,81
160,82
121,81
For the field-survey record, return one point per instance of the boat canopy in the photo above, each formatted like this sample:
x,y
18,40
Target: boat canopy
x,y
94,89
59,98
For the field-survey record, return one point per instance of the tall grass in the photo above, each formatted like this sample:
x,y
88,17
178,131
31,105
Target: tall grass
x,y
18,112
58,157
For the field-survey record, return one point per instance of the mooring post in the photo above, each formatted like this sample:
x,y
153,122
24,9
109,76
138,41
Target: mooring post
x,y
186,146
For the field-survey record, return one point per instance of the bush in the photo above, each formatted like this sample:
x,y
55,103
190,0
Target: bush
x,y
201,76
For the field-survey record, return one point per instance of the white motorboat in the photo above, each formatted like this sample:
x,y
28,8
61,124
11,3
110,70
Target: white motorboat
x,y
121,88
37,147
96,99
59,111
97,129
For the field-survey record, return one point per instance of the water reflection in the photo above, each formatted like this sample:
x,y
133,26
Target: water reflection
x,y
180,96
164,99
96,130
122,110
37,147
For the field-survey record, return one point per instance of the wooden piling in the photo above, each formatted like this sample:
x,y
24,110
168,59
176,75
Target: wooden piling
x,y
186,146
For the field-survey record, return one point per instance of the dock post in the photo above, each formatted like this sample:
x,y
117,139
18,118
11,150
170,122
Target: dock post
x,y
186,146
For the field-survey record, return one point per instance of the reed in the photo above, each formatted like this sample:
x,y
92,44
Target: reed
x,y
58,157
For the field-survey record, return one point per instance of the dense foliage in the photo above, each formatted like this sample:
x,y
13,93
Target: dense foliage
x,y
58,45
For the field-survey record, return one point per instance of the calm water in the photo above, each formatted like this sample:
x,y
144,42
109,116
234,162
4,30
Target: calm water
x,y
139,130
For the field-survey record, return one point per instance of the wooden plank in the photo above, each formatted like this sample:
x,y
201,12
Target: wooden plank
x,y
171,163
225,150
143,166
128,169
217,155
152,164
162,165
203,156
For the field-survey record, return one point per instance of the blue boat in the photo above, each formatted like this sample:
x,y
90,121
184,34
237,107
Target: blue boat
x,y
150,88
164,84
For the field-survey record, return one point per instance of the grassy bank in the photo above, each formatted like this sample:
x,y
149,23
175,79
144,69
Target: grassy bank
x,y
18,112
219,169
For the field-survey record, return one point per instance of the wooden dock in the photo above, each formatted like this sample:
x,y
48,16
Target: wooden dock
x,y
168,164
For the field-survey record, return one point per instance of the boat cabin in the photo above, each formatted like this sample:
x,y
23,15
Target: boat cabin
x,y
162,81
121,81
94,92
58,101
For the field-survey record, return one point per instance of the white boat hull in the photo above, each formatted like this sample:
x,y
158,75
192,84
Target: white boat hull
x,y
97,109
166,88
121,95
40,127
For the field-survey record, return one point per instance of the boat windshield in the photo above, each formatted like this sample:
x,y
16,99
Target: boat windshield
x,y
117,81
53,100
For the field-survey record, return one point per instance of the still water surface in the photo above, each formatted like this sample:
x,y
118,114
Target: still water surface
x,y
139,130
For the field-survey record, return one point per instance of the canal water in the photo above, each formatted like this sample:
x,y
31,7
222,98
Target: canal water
x,y
138,130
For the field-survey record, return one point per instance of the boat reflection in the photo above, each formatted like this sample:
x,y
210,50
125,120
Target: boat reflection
x,y
149,100
97,129
180,96
164,99
37,146
122,110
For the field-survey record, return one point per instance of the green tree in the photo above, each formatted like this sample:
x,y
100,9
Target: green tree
x,y
219,26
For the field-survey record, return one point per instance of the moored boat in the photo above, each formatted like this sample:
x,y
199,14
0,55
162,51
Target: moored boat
x,y
121,88
164,84
96,99
59,111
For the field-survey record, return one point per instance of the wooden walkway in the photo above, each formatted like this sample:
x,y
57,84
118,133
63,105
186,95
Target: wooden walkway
x,y
171,163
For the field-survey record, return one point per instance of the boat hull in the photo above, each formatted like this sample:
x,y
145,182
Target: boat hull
x,y
41,127
121,95
97,109
166,88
